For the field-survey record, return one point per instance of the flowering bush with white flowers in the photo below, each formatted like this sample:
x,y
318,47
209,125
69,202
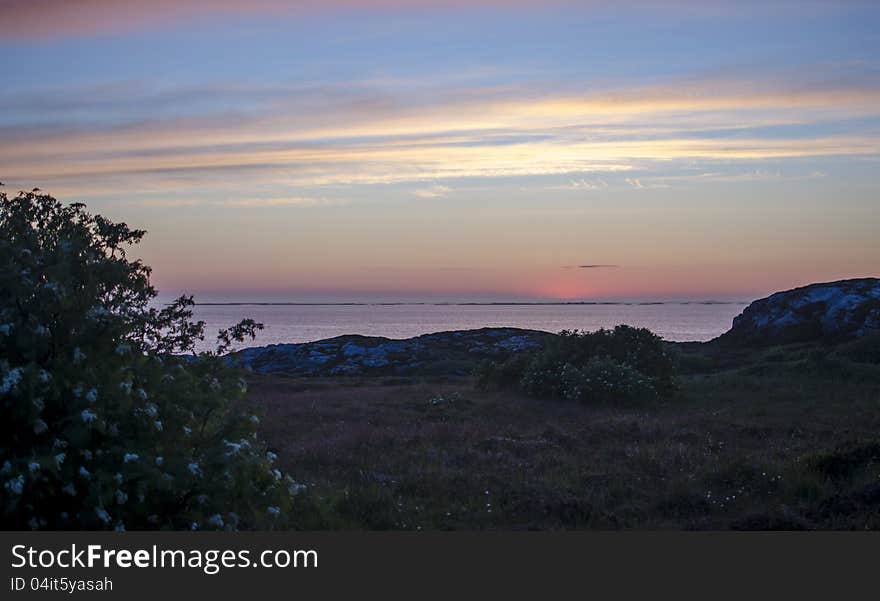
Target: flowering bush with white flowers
x,y
606,366
108,417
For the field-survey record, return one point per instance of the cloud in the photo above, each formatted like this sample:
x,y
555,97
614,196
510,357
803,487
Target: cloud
x,y
433,191
361,133
591,266
583,184
241,203
29,19
638,185
62,18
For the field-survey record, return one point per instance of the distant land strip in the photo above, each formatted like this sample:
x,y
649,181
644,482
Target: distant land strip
x,y
464,304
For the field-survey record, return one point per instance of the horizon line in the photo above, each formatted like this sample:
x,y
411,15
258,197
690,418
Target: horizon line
x,y
465,303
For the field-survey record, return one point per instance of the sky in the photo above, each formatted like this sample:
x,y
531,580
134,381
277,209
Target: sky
x,y
458,150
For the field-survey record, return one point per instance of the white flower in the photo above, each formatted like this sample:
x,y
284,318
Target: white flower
x,y
277,474
69,489
194,526
216,520
40,426
123,349
10,380
151,409
142,395
44,376
5,329
88,416
118,477
271,456
59,459
233,448
120,527
33,466
41,330
194,469
121,497
159,461
158,424
125,387
7,467
102,515
87,454
187,430
294,487
130,457
84,472
92,395
274,511
16,485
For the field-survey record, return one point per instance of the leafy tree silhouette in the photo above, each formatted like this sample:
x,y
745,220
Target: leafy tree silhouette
x,y
109,418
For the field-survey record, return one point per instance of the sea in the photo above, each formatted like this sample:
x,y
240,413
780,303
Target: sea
x,y
293,322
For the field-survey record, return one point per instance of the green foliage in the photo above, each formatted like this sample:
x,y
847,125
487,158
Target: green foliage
x,y
108,416
491,375
623,364
604,380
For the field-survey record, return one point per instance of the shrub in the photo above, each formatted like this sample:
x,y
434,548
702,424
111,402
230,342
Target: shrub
x,y
507,374
108,417
604,380
623,364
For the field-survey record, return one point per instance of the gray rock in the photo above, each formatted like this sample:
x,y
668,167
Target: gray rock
x,y
443,353
830,311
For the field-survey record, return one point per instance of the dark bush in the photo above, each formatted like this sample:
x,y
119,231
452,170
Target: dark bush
x,y
108,417
622,364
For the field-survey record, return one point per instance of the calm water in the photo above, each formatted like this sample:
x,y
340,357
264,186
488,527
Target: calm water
x,y
304,323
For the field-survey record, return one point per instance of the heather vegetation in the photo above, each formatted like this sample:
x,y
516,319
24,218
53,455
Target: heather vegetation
x,y
781,437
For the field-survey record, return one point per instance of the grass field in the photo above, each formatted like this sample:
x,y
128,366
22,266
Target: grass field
x,y
781,438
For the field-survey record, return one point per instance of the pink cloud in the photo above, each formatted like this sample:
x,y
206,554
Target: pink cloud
x,y
61,18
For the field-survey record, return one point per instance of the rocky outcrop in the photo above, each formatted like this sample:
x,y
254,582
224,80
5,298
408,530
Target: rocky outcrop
x,y
443,353
832,311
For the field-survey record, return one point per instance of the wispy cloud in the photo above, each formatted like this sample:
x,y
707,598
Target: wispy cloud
x,y
31,19
433,191
242,203
356,134
639,185
591,266
582,184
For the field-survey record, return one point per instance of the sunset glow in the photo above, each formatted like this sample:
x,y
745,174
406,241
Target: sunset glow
x,y
458,150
